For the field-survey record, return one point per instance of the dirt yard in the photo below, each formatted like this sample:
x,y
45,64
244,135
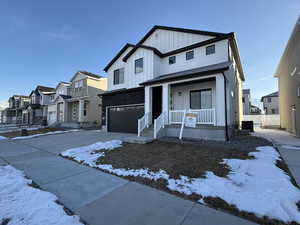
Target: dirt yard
x,y
30,132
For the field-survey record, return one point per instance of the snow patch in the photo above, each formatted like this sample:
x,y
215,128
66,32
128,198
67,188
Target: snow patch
x,y
254,185
27,205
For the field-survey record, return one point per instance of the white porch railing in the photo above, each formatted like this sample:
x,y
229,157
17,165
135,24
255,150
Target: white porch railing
x,y
204,116
159,123
143,123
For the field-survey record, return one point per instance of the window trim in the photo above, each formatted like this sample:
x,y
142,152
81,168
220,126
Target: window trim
x,y
170,58
206,48
186,53
135,61
199,90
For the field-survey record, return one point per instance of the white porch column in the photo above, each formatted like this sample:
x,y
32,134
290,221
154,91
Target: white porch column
x,y
166,101
148,102
220,103
80,110
65,111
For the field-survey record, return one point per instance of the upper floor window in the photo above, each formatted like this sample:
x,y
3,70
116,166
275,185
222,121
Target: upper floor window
x,y
119,76
189,55
269,99
78,84
138,65
210,49
172,59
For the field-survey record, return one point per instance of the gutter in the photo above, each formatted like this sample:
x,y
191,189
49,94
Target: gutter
x,y
225,101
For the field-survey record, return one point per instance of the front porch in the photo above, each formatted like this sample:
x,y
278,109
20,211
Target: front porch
x,y
167,103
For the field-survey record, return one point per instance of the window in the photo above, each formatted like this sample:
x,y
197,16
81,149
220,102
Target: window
x,y
119,76
172,59
138,65
273,111
243,99
201,99
298,91
210,49
269,100
189,55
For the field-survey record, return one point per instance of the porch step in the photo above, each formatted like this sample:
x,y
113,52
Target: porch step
x,y
139,140
148,132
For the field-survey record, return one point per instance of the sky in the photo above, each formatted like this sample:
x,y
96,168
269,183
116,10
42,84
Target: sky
x,y
44,42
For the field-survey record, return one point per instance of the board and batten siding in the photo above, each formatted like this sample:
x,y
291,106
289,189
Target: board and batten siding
x,y
166,41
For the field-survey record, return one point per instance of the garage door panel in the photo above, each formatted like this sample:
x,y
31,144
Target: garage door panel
x,y
124,119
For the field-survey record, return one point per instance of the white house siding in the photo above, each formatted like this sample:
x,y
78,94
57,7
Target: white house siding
x,y
200,59
166,41
117,65
182,101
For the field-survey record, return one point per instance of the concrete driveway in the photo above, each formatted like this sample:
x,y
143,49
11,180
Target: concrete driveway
x,y
98,197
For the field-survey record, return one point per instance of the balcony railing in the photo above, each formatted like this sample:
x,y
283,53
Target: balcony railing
x,y
78,92
204,116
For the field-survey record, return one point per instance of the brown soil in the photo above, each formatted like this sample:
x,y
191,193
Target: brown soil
x,y
30,132
175,158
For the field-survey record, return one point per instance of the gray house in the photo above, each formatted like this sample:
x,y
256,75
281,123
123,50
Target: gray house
x,y
288,74
271,103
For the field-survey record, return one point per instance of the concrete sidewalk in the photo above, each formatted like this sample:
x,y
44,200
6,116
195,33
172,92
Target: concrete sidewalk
x,y
101,198
288,146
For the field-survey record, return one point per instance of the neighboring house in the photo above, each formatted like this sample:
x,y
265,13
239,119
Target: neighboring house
x,y
288,74
13,114
76,104
255,110
171,70
36,111
246,102
271,103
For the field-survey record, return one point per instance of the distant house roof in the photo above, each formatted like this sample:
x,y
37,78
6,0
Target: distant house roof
x,y
274,94
65,96
87,74
44,89
201,71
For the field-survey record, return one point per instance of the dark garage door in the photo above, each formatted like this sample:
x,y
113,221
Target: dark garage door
x,y
125,118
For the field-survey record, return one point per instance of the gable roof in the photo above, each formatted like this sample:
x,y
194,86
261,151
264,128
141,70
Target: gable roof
x,y
184,30
44,89
274,94
117,56
216,37
62,82
89,74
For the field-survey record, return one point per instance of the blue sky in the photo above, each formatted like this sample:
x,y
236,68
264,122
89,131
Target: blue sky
x,y
44,42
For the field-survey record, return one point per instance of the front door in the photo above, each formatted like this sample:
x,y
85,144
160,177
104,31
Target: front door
x,y
156,102
75,111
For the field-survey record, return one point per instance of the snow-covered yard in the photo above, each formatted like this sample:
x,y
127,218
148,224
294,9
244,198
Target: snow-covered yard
x,y
22,204
255,185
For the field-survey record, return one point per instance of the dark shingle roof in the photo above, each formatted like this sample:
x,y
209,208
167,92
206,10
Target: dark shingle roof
x,y
201,71
274,94
90,74
45,89
65,96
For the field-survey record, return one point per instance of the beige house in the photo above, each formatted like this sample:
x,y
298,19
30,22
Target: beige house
x,y
76,103
288,74
271,103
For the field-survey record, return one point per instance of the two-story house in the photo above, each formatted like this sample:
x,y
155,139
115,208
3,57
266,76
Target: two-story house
x,y
271,103
76,104
36,111
246,102
288,74
13,114
171,72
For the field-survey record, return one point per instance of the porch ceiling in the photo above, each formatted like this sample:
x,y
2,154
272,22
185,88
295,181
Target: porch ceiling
x,y
198,72
193,82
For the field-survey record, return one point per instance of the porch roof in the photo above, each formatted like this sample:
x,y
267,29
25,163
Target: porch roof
x,y
197,72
